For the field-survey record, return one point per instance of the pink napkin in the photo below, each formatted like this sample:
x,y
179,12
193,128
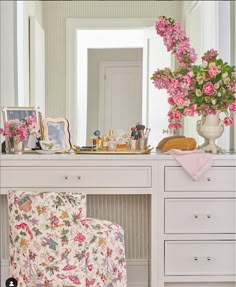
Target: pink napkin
x,y
194,162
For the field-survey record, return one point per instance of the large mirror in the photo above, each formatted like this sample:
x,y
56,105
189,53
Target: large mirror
x,y
67,85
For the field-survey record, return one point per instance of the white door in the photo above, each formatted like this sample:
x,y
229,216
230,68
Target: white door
x,y
120,98
155,104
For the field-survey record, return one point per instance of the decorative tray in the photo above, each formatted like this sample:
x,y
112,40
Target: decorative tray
x,y
77,150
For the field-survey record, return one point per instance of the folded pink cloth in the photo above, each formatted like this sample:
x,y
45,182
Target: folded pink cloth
x,y
194,162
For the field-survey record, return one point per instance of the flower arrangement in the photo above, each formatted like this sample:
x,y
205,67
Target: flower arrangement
x,y
194,89
31,124
21,129
15,128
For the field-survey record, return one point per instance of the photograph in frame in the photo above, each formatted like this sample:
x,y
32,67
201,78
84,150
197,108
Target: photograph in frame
x,y
57,131
20,113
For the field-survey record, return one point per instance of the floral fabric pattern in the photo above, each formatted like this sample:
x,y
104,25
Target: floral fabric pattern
x,y
53,243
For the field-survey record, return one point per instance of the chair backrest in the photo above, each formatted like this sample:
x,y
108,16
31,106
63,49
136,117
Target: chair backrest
x,y
47,237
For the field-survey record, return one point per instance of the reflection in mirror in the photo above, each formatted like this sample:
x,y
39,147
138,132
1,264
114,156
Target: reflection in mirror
x,y
154,106
115,95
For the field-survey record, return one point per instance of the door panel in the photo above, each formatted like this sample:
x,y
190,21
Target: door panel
x,y
121,96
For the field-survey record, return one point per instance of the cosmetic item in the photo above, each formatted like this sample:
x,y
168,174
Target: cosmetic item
x,y
133,143
142,143
104,142
111,145
95,144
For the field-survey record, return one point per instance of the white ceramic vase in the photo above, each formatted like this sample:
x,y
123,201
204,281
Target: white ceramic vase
x,y
210,127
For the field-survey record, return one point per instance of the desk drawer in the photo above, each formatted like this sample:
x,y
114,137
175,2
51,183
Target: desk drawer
x,y
200,258
215,179
200,215
76,177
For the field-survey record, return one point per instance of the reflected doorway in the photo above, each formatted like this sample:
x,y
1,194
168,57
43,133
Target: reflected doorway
x,y
115,97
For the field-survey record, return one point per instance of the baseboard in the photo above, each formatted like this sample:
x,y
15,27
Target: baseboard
x,y
137,270
4,274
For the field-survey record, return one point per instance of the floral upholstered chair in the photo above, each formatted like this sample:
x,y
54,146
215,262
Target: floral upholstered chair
x,y
53,243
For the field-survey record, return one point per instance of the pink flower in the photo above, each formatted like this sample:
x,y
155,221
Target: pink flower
x,y
232,87
171,101
161,25
232,107
175,83
213,71
187,80
176,115
210,55
79,237
189,111
228,121
174,126
178,100
208,89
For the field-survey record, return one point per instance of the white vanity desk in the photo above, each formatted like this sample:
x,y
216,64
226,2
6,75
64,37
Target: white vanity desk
x,y
192,222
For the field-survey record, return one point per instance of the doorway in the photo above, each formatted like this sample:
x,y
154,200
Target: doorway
x,y
120,96
98,60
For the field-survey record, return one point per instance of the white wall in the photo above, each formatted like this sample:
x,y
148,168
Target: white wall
x,y
15,56
8,84
27,8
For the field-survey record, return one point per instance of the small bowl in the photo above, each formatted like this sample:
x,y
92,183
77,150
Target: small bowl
x,y
46,145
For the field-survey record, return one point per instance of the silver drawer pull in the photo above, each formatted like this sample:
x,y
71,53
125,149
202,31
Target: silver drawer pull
x,y
196,258
208,179
199,216
67,177
208,258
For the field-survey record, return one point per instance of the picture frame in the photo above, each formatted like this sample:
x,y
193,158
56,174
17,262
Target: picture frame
x,y
20,113
12,113
57,131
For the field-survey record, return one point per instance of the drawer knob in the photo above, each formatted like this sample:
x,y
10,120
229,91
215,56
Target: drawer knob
x,y
196,258
79,177
208,179
66,177
195,216
208,216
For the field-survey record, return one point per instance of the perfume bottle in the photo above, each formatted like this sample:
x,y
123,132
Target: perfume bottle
x,y
111,141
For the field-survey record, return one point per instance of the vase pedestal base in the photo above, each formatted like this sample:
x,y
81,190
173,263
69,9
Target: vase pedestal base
x,y
210,127
212,147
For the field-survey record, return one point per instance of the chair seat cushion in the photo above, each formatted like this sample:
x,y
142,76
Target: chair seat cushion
x,y
105,249
47,238
53,243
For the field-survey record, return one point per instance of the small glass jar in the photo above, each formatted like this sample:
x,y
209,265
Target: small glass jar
x,y
112,145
